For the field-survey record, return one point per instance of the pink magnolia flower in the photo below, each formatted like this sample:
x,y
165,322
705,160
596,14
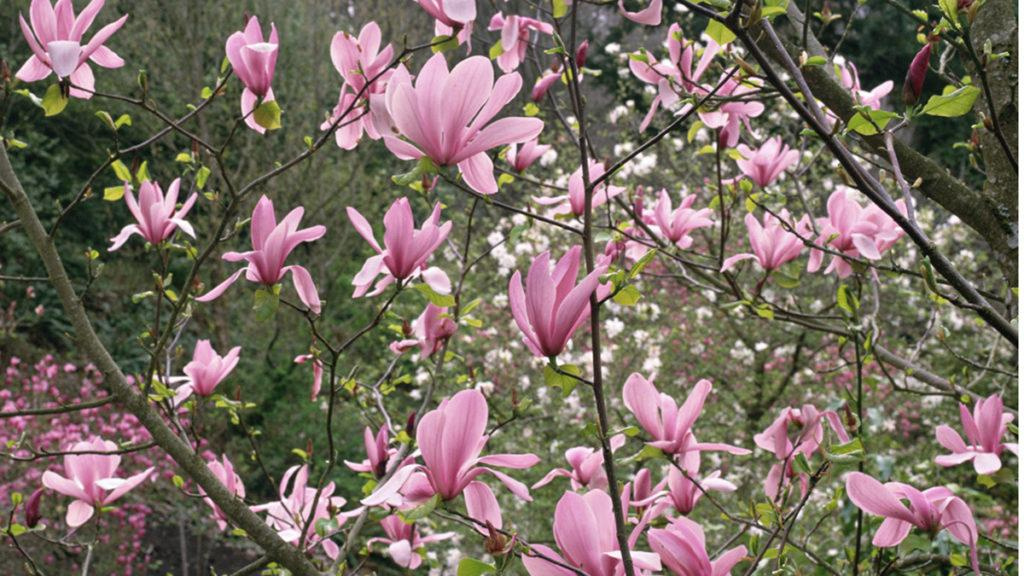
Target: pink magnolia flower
x,y
933,510
776,440
289,514
404,541
855,231
253,60
91,479
669,425
431,330
773,244
677,224
544,83
984,430
225,472
524,157
55,38
406,249
451,13
677,76
586,467
766,163
683,551
850,79
450,439
584,530
318,372
446,116
684,493
651,15
515,37
553,306
728,116
155,216
363,67
574,203
378,454
208,369
272,242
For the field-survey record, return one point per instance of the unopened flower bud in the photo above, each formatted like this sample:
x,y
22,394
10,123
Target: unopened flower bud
x,y
32,515
916,74
581,54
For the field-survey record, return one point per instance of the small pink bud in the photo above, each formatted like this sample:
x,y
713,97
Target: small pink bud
x,y
581,54
914,83
32,515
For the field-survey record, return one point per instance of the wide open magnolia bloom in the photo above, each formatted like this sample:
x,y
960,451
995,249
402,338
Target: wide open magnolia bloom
x,y
932,510
584,530
586,467
404,541
522,157
272,242
155,216
729,115
363,66
775,439
225,472
678,75
683,551
984,430
446,116
669,425
515,37
55,38
773,244
91,479
766,163
676,224
290,513
253,60
450,439
685,490
575,202
208,368
553,305
430,331
405,252
854,230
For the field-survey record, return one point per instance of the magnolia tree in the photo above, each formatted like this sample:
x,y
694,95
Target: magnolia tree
x,y
791,215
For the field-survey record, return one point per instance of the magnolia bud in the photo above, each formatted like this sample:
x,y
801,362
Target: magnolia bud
x,y
32,515
410,424
581,54
916,74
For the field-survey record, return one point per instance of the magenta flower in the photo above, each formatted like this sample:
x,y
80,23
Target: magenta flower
x,y
670,426
677,224
678,75
918,71
773,244
515,37
450,439
574,203
651,15
584,530
272,242
523,157
155,216
728,116
253,60
684,493
91,479
404,541
378,454
289,514
586,467
933,510
318,372
766,163
984,430
431,330
32,506
363,67
406,249
452,13
553,306
776,440
446,116
850,79
855,231
544,83
225,472
208,369
55,38
683,551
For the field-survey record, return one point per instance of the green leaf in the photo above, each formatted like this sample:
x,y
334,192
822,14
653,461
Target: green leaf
x,y
562,377
719,33
183,158
113,193
948,8
106,119
444,43
16,498
559,8
495,51
531,109
122,171
866,120
851,451
178,481
629,295
474,567
268,115
265,302
54,102
953,104
123,120
421,511
694,129
16,530
442,300
843,300
202,175
142,174
815,61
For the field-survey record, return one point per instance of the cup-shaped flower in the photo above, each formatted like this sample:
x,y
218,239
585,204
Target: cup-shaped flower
x,y
984,429
670,426
584,530
405,252
575,202
91,479
683,551
855,231
553,305
446,116
763,165
208,368
253,60
272,242
224,470
586,467
55,38
450,439
522,157
156,218
404,541
773,242
932,510
363,66
289,514
430,331
515,37
677,224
